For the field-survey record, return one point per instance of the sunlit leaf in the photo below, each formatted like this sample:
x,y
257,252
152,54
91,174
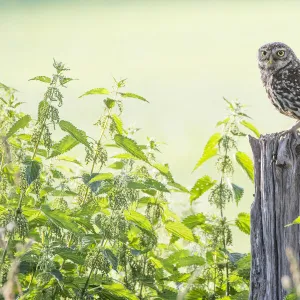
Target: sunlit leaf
x,y
210,149
251,127
42,79
102,176
60,219
201,186
246,163
64,145
118,123
243,222
130,146
190,261
68,253
77,134
194,220
139,219
20,124
180,230
131,95
117,289
117,165
97,91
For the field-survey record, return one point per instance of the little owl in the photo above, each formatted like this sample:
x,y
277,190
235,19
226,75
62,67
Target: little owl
x,y
280,74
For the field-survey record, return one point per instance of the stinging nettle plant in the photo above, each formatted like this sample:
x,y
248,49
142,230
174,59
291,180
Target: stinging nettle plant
x,y
99,226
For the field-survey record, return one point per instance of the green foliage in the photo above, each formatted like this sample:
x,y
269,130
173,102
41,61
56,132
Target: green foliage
x,y
103,228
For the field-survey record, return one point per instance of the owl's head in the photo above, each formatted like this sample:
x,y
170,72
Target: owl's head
x,y
275,56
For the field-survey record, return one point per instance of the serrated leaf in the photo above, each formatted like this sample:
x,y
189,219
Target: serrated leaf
x,y
32,170
210,149
77,134
66,80
117,289
102,176
190,261
225,121
138,219
60,219
251,127
42,79
130,146
194,220
246,163
201,186
64,145
148,183
243,222
238,192
112,258
117,165
118,123
180,230
296,221
69,159
20,124
96,91
110,103
68,253
179,187
131,95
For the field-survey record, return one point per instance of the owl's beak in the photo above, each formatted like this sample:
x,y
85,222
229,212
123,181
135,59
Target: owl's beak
x,y
270,61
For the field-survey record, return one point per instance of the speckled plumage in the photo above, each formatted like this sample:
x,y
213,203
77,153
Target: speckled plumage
x,y
281,77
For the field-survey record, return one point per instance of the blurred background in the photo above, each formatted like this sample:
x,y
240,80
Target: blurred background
x,y
183,56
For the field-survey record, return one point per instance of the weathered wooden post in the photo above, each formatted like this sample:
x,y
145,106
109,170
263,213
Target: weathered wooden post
x,y
276,204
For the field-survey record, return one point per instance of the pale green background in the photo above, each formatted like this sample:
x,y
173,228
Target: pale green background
x,y
183,56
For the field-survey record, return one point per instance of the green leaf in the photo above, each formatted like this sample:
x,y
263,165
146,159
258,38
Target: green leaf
x,y
118,123
179,187
180,230
60,219
118,290
130,146
96,91
225,121
296,221
238,192
117,165
20,124
243,222
68,253
210,149
140,220
102,176
148,183
201,186
110,103
66,80
64,145
32,170
69,159
251,127
190,261
42,78
77,134
131,95
194,220
112,258
246,163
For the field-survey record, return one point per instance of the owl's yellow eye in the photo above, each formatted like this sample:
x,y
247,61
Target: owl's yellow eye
x,y
280,53
263,53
